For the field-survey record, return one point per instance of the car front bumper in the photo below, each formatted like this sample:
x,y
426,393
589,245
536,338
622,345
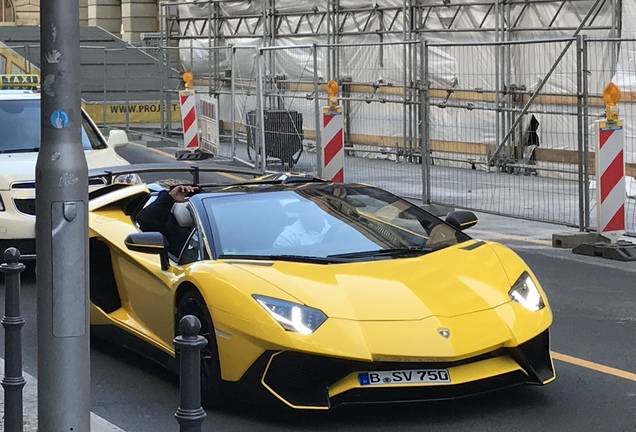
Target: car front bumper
x,y
306,381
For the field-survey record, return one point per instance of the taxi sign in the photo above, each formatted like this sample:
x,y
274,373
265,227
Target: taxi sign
x,y
17,81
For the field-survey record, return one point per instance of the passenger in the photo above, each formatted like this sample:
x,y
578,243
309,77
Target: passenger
x,y
169,215
310,228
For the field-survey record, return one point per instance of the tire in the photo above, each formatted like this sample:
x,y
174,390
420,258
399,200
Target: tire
x,y
192,303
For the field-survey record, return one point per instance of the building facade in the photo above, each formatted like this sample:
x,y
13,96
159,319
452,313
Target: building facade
x,y
128,19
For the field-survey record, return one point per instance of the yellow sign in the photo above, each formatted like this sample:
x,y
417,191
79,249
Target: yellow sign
x,y
19,81
138,112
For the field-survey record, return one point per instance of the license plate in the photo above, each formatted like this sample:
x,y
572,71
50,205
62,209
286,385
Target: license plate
x,y
414,376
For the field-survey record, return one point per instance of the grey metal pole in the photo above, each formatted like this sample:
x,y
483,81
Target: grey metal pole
x,y
190,414
317,112
233,99
260,107
62,229
13,381
126,91
579,118
585,68
424,121
104,122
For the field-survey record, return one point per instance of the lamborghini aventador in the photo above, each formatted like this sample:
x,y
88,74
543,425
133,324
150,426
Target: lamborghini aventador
x,y
315,294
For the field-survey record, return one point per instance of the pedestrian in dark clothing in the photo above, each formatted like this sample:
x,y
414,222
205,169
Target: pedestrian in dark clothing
x,y
169,215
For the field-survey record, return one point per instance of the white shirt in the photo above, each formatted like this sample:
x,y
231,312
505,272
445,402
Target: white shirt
x,y
296,235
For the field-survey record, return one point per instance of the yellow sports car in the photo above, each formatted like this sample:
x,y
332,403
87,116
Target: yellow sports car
x,y
315,294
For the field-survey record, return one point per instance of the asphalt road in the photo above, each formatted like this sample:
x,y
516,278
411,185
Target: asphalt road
x,y
593,339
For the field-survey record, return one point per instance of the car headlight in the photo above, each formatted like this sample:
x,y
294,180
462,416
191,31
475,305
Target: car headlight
x,y
131,179
526,293
292,316
1,204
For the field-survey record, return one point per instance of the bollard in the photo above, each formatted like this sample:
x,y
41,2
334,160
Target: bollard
x,y
13,381
190,414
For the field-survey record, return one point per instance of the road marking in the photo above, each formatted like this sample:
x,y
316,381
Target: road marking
x,y
595,366
511,237
164,154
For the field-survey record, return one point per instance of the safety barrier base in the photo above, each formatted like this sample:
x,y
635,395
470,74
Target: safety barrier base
x,y
191,155
620,251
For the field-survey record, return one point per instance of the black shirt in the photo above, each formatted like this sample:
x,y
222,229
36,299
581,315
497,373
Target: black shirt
x,y
157,216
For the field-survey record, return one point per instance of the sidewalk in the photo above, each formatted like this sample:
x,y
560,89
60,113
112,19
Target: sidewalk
x,y
30,407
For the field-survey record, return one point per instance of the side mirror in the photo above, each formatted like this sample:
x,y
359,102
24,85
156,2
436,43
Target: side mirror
x,y
117,138
150,243
462,219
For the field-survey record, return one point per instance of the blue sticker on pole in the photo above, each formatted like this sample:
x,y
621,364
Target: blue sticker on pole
x,y
59,119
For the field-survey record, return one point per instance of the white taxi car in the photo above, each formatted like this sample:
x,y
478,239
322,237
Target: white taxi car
x,y
19,144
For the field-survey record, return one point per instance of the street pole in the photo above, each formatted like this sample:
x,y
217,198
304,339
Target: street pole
x,y
62,228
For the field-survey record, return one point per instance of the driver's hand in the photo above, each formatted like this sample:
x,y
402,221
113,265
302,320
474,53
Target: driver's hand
x,y
180,193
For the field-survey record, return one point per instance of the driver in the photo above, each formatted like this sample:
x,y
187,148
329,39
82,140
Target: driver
x,y
310,228
169,215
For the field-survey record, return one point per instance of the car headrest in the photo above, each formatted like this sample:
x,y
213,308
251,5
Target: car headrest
x,y
182,215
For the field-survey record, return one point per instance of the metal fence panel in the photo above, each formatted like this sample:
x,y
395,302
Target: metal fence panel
x,y
484,157
612,60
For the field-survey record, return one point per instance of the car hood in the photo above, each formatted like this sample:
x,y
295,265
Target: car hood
x,y
451,282
20,167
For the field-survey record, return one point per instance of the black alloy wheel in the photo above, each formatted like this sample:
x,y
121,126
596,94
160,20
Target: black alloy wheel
x,y
192,303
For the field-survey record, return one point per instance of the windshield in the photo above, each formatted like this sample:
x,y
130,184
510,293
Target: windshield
x,y
20,125
340,222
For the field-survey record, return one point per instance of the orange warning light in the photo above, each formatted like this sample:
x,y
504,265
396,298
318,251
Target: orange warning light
x,y
332,88
611,96
187,77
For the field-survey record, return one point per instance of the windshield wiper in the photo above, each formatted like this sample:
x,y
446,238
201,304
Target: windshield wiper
x,y
291,258
385,253
21,150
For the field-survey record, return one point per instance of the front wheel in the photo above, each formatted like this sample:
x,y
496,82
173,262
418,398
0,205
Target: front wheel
x,y
192,303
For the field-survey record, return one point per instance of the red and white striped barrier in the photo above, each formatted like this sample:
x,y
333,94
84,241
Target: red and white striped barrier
x,y
610,178
189,120
332,145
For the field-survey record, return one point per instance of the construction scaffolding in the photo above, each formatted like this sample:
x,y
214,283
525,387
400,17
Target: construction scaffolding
x,y
456,97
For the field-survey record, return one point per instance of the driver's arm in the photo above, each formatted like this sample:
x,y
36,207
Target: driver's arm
x,y
156,215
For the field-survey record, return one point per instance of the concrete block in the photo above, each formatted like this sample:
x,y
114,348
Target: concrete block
x,y
104,12
139,25
100,3
139,10
573,239
83,12
27,18
26,5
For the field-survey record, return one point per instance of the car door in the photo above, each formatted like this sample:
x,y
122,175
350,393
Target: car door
x,y
150,290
